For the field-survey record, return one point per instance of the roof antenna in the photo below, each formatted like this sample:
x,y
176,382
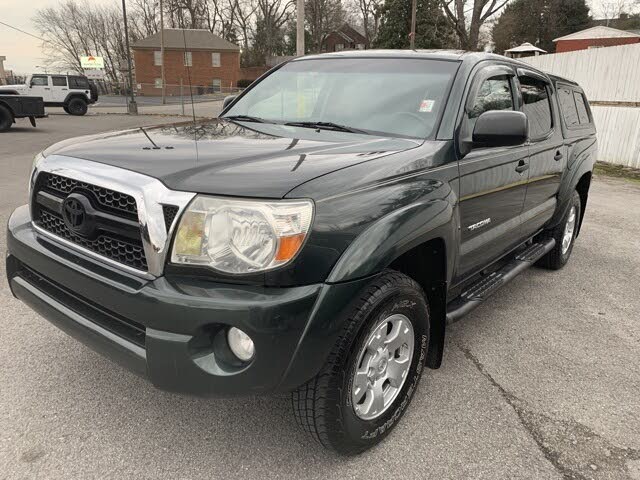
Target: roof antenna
x,y
188,67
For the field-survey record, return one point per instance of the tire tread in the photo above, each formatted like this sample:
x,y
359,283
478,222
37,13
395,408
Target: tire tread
x,y
310,401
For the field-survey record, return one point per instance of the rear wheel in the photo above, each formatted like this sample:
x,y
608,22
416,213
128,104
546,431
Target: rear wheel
x,y
6,118
66,109
77,106
373,370
564,234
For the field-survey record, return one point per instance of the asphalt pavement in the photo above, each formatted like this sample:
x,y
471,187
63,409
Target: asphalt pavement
x,y
541,382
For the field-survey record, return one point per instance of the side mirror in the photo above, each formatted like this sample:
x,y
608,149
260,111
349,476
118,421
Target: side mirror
x,y
500,128
227,100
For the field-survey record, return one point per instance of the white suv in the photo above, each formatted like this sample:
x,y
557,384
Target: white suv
x,y
72,92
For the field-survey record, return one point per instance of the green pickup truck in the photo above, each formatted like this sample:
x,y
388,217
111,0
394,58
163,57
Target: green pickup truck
x,y
318,236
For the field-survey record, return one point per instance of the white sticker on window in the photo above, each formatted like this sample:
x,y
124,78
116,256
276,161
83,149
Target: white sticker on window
x,y
426,105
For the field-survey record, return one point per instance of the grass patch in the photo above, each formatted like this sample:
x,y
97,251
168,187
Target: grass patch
x,y
617,171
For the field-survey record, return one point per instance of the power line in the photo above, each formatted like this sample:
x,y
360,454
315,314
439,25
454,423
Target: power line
x,y
22,31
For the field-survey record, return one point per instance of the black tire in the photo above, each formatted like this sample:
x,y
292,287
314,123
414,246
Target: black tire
x,y
66,109
6,118
323,406
77,106
556,258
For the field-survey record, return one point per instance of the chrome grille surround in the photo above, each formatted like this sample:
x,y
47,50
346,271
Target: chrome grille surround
x,y
149,193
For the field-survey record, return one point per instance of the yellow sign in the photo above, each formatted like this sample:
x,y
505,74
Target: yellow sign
x,y
91,62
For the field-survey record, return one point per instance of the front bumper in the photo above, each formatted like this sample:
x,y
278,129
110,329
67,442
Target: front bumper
x,y
171,329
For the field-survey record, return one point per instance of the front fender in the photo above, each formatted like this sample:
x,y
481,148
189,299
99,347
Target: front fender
x,y
394,234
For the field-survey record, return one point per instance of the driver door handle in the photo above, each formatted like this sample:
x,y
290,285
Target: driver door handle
x,y
522,166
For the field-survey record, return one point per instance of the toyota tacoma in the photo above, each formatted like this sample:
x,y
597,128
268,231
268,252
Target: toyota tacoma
x,y
318,236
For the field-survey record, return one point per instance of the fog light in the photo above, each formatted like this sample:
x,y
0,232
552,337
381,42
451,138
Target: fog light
x,y
240,344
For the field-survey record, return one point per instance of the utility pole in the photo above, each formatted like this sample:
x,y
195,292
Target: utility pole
x,y
300,28
162,51
412,35
133,106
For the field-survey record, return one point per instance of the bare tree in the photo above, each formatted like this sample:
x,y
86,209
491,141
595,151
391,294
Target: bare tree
x,y
371,11
468,16
323,17
611,9
186,13
147,14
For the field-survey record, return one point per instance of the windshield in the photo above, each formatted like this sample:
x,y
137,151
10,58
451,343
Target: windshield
x,y
391,96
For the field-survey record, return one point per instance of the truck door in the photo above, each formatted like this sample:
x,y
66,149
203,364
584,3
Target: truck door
x,y
40,87
492,180
547,155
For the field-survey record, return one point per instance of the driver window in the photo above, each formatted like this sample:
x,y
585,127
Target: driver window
x,y
494,94
39,81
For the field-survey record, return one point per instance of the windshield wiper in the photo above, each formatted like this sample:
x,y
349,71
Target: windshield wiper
x,y
325,126
245,118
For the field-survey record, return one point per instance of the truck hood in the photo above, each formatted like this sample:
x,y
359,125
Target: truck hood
x,y
230,158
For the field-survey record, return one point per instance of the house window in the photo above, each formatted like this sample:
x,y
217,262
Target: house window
x,y
217,85
158,83
215,59
339,47
157,58
188,59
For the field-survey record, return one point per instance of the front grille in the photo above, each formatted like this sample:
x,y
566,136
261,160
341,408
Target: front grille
x,y
118,250
117,324
109,199
116,235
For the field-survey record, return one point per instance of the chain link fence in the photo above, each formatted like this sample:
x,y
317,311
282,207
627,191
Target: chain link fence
x,y
179,99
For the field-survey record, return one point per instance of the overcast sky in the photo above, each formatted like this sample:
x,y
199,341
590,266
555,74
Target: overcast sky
x,y
22,51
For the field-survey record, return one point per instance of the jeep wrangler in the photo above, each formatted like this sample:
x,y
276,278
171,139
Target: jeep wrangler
x,y
71,92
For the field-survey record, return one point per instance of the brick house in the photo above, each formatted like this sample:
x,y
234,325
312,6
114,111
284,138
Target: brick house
x,y
595,37
345,38
212,63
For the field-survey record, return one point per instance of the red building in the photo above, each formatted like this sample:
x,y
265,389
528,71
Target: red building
x,y
595,37
209,62
345,38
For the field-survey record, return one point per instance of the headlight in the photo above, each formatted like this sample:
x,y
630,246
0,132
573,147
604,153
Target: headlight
x,y
38,158
241,236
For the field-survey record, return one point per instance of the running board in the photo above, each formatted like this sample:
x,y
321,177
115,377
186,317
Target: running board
x,y
486,286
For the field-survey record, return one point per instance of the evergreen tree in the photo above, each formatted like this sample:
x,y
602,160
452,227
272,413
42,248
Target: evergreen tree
x,y
432,28
539,22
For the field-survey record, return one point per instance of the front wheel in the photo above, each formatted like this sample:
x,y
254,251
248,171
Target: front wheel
x,y
373,369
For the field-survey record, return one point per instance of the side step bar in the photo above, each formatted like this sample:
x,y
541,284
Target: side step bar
x,y
486,286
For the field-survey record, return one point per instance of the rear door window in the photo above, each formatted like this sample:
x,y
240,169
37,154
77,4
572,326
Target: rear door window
x,y
568,107
59,81
536,105
583,114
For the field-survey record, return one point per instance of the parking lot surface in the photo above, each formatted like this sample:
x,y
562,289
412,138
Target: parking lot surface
x,y
541,382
